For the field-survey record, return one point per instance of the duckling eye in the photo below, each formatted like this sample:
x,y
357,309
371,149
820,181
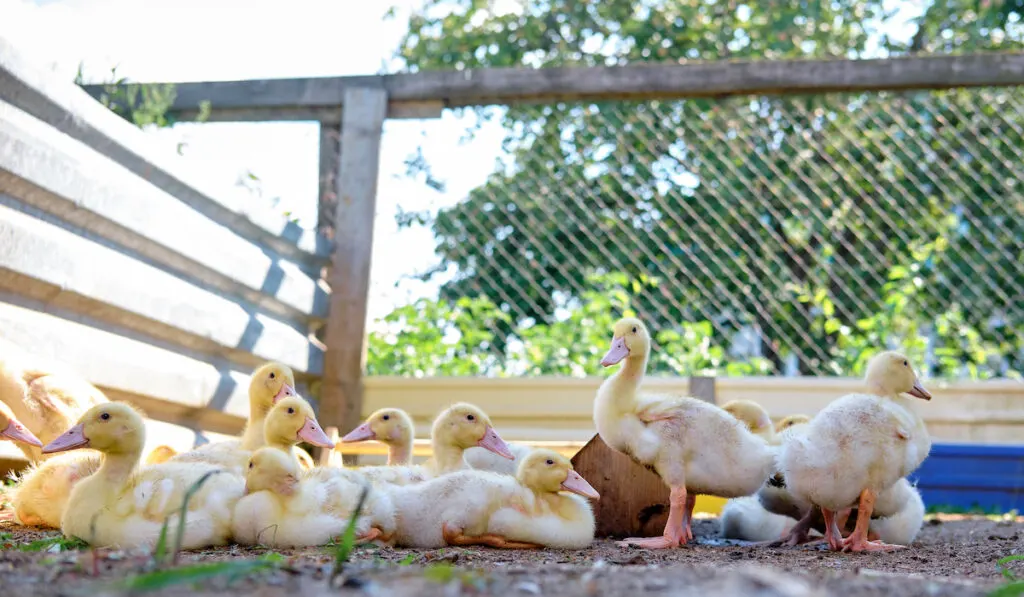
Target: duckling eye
x,y
906,364
250,465
386,417
470,417
272,375
105,416
291,411
550,462
634,329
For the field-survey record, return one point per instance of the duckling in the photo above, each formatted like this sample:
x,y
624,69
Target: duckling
x,y
270,383
473,507
746,519
754,416
41,491
695,447
458,428
789,421
858,446
161,453
899,514
12,429
392,427
45,396
123,506
286,507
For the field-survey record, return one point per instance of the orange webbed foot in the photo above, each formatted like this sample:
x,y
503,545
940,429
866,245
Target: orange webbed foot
x,y
857,544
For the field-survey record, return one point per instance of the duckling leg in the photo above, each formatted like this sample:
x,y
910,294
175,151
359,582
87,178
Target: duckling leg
x,y
832,534
858,539
798,534
455,537
673,535
691,501
374,534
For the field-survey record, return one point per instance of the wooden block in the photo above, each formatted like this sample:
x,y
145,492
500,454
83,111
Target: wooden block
x,y
634,500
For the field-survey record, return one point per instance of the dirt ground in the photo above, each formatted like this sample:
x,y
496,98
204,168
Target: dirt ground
x,y
954,555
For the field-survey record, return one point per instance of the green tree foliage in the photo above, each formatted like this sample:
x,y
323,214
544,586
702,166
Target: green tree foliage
x,y
833,224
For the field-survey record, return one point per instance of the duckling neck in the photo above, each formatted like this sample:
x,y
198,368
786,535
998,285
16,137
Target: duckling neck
x,y
399,454
252,438
117,468
447,458
624,383
280,444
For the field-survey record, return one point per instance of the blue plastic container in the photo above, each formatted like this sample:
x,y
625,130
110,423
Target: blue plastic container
x,y
972,476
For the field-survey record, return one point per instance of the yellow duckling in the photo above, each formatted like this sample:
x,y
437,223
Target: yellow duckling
x,y
125,507
285,507
880,439
270,383
392,427
472,507
457,428
754,416
42,490
46,397
790,421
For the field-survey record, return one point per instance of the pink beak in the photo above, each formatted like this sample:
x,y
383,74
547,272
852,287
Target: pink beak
x,y
360,434
493,442
312,433
17,432
918,391
69,440
285,391
578,485
616,353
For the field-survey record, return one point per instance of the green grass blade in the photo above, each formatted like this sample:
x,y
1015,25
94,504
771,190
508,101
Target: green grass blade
x,y
160,549
348,539
159,579
1013,589
184,511
1002,562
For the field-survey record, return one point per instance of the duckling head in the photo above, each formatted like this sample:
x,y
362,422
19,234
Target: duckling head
x,y
272,469
629,339
547,471
750,413
291,421
889,373
387,425
14,430
269,384
111,428
790,421
465,426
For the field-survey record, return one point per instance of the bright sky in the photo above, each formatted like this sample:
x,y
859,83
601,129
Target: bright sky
x,y
190,40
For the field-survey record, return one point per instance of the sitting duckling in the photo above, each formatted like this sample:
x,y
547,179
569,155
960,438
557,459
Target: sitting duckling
x,y
457,428
695,447
286,507
124,506
41,491
270,383
883,440
472,507
392,427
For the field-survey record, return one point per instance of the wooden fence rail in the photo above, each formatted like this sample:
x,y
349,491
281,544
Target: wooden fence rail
x,y
163,291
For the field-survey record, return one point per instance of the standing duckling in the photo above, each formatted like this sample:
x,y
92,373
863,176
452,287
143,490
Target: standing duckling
x,y
695,447
124,506
270,383
390,426
858,446
472,507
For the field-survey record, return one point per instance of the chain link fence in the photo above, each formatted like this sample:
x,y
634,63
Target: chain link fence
x,y
757,235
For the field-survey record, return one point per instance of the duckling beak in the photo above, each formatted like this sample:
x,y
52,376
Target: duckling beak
x,y
616,353
285,391
493,442
575,483
360,434
69,440
312,433
17,432
918,391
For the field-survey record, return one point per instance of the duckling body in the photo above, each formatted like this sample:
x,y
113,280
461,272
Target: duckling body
x,y
125,507
270,383
746,519
694,446
857,447
42,491
473,507
485,460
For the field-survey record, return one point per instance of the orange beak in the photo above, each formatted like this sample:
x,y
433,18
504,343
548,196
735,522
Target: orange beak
x,y
918,391
575,483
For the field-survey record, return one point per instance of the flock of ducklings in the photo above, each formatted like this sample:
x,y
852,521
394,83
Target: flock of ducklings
x,y
845,467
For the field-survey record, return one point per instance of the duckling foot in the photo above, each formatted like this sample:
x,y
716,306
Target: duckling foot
x,y
374,534
855,543
455,537
676,529
832,534
858,539
664,542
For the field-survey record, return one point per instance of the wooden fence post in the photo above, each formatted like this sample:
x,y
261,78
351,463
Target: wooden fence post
x,y
341,398
327,206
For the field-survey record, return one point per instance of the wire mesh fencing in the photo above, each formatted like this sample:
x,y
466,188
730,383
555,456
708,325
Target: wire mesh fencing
x,y
759,235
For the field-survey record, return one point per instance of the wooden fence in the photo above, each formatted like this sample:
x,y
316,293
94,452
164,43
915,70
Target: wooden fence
x,y
157,288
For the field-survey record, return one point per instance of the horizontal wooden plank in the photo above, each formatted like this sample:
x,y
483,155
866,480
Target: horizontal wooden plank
x,y
170,385
67,107
310,96
45,261
561,409
48,170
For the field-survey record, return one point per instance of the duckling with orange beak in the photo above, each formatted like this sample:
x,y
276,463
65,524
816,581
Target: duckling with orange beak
x,y
12,429
392,427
